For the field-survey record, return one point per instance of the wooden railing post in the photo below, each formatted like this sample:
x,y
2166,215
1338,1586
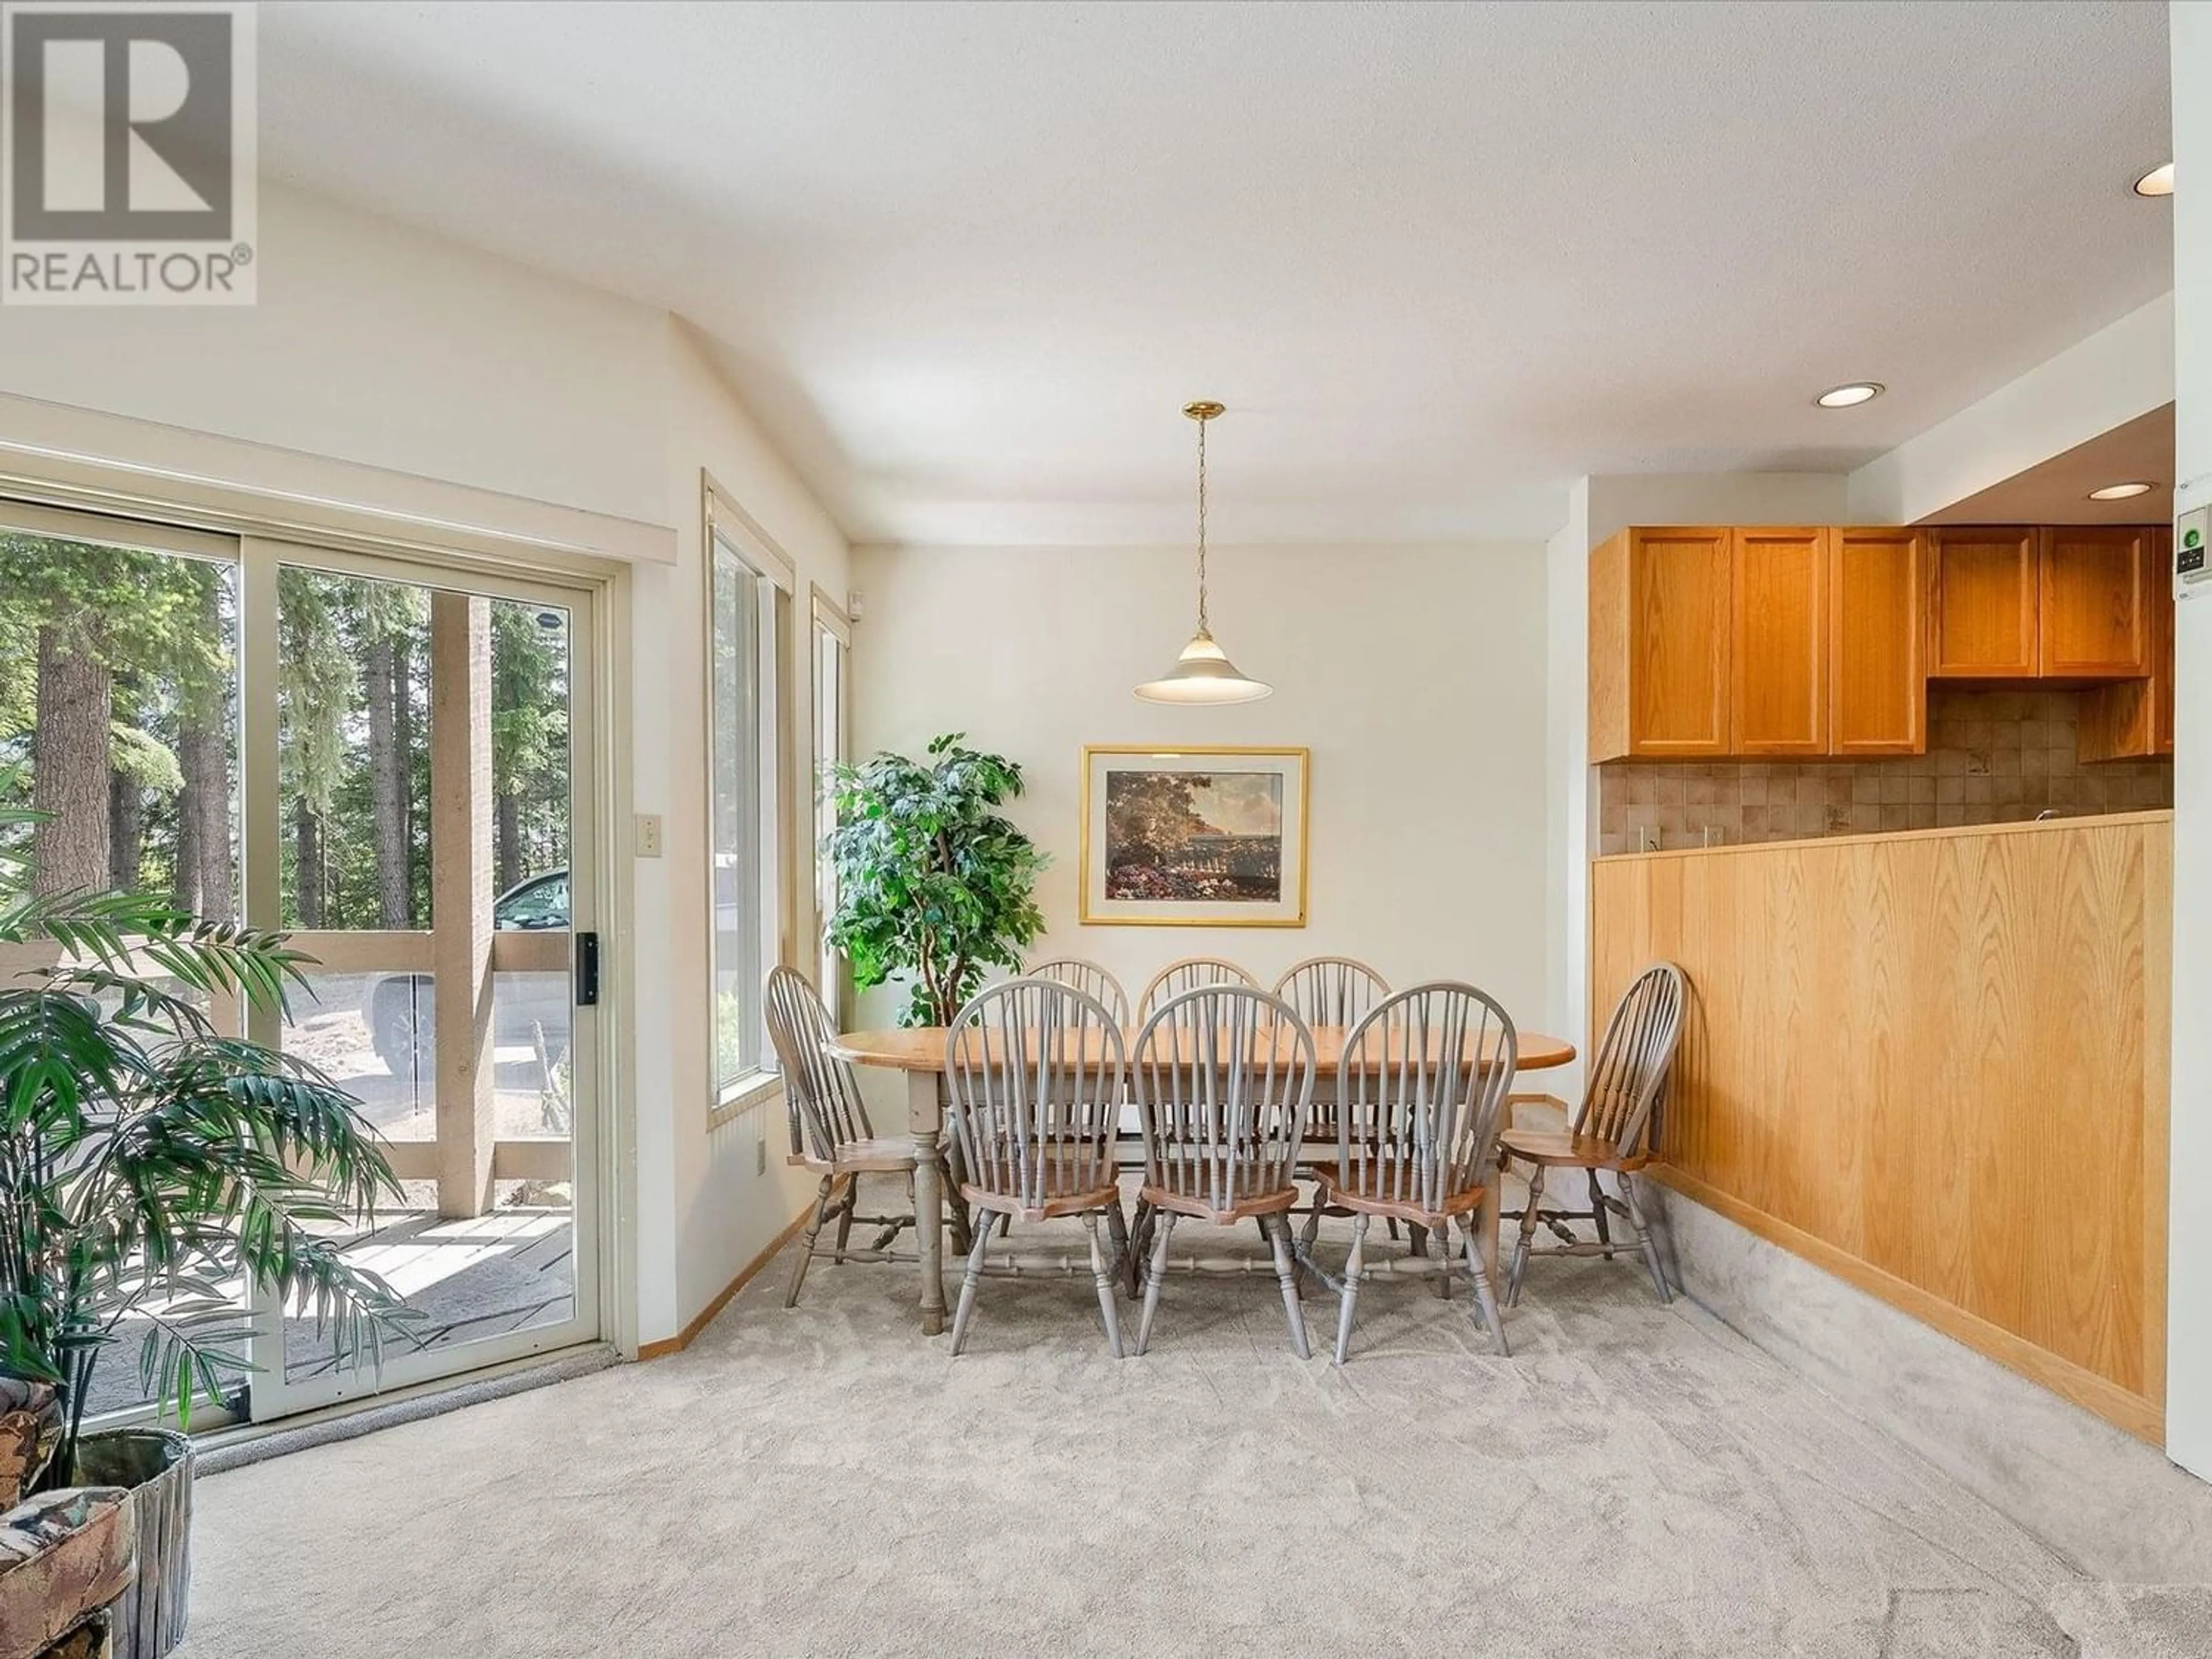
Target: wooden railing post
x,y
461,898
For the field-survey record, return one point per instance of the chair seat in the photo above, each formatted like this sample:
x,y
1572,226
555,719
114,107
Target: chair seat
x,y
885,1155
1248,1193
1366,1191
1561,1148
1092,1186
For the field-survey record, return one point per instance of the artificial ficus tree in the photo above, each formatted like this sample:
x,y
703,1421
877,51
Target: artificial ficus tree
x,y
932,880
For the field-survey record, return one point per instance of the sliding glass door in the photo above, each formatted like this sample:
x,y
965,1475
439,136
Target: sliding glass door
x,y
394,762
418,791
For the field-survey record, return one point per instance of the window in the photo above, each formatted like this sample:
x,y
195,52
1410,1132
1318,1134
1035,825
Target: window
x,y
833,639
746,584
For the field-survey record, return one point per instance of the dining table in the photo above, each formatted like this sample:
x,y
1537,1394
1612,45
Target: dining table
x,y
918,1053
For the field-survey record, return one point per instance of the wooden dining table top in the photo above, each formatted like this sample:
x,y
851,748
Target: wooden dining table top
x,y
921,1048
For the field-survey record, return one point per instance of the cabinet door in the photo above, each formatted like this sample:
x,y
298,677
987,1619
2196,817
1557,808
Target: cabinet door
x,y
2094,623
2133,720
1877,631
1779,703
1983,621
1678,612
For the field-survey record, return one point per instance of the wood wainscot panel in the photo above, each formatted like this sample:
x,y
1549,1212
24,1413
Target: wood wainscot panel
x,y
1936,1064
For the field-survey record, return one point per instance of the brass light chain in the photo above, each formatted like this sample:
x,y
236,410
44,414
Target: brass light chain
x,y
1201,412
1201,525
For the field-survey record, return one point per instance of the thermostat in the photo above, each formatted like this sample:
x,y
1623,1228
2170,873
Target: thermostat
x,y
2190,531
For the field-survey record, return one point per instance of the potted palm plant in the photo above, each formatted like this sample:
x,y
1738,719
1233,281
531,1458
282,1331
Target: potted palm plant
x,y
932,880
150,1168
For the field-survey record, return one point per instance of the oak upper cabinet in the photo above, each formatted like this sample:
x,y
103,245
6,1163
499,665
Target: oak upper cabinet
x,y
1659,608
2133,719
1877,636
2094,620
1983,604
1778,685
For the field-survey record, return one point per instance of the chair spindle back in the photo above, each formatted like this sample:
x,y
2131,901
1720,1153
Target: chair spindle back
x,y
1188,975
1034,1070
1630,1073
1087,977
1225,1080
821,1096
1332,990
1421,1091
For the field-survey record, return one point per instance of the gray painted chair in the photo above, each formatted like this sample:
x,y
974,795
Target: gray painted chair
x,y
1613,1129
1188,975
1332,990
1224,1078
828,1121
1035,1073
1087,977
1421,1085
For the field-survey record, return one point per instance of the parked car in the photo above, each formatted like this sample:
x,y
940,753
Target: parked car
x,y
400,1010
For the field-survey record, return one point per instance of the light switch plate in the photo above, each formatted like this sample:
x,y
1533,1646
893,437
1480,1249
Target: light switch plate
x,y
648,835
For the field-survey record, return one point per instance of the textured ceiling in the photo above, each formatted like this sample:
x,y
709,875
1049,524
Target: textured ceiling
x,y
966,262
2057,491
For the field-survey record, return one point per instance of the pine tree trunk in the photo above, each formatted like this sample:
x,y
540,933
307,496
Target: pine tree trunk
x,y
307,847
205,858
203,852
388,765
509,843
68,759
126,826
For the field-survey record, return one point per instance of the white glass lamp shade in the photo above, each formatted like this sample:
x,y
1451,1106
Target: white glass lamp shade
x,y
1203,674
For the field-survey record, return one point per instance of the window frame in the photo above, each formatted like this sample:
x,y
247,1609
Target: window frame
x,y
727,529
832,629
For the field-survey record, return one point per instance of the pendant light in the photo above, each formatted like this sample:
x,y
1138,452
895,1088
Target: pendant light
x,y
1203,674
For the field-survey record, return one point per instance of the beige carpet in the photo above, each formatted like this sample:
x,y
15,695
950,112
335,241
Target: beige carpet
x,y
1636,1479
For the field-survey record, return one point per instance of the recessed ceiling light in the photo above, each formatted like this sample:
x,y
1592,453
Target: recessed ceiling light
x,y
2158,181
1847,396
2120,492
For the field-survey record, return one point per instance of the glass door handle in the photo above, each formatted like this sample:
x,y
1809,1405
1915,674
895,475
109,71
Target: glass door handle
x,y
588,971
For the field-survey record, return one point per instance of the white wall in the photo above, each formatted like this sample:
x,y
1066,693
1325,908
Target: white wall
x,y
2124,370
378,346
2189,1274
386,347
720,1213
1414,674
1567,791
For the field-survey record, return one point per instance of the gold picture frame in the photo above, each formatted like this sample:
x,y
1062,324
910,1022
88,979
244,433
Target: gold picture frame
x,y
1241,858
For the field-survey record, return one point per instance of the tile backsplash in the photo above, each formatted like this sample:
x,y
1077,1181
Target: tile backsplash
x,y
1992,756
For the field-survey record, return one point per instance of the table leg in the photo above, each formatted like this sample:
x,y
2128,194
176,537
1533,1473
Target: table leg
x,y
925,1120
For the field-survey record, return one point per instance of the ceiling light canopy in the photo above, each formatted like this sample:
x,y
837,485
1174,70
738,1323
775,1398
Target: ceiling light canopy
x,y
1851,395
1203,674
2158,181
2121,492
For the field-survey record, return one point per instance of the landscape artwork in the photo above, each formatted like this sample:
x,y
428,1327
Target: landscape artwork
x,y
1194,838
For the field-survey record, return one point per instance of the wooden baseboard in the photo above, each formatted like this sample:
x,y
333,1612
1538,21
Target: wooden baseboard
x,y
2144,1419
684,1338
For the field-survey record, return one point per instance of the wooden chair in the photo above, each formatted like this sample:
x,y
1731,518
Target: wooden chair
x,y
1612,1129
829,1122
1331,990
1224,1082
1087,977
1034,1070
1188,975
1421,1086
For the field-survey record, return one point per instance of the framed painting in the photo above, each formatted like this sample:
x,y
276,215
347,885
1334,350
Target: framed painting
x,y
1209,837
